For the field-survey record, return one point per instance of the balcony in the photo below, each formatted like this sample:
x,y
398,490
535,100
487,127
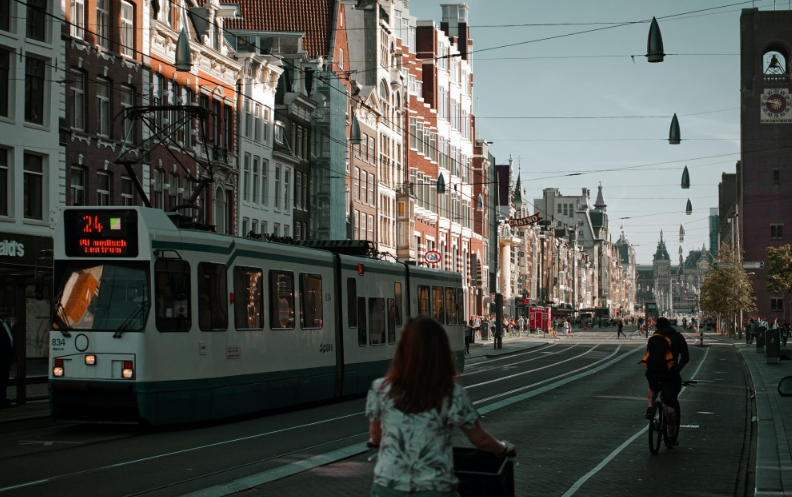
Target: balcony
x,y
219,155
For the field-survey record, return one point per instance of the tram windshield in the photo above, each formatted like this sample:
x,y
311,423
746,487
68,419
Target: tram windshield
x,y
103,297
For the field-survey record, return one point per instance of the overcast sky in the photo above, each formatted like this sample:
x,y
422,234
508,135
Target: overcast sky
x,y
558,106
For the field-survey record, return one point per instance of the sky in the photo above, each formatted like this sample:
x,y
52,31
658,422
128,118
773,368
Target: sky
x,y
583,109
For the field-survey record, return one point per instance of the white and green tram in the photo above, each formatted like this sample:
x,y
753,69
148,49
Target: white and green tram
x,y
159,323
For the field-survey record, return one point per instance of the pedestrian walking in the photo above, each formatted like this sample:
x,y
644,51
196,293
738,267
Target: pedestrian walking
x,y
6,358
521,324
413,411
620,329
468,336
568,329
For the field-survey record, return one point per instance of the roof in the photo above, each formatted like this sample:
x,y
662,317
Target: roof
x,y
312,17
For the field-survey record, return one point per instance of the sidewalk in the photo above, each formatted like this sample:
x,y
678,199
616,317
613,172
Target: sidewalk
x,y
773,423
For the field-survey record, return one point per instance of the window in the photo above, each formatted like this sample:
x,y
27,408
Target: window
x,y
187,99
34,89
286,190
127,191
212,297
377,321
103,117
78,18
257,123
5,15
776,304
103,23
281,290
36,20
248,119
277,187
78,99
451,307
356,184
33,187
172,295
361,320
391,321
77,185
340,59
5,81
311,312
249,301
424,303
352,302
246,180
127,101
776,176
776,231
173,191
265,183
4,193
256,197
298,190
158,199
438,309
397,293
304,191
127,29
103,188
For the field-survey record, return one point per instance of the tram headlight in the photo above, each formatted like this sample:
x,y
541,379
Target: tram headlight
x,y
57,370
128,372
90,360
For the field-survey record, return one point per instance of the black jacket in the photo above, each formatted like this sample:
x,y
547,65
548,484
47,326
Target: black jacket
x,y
679,347
6,345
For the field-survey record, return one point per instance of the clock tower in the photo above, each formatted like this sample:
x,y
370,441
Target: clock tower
x,y
764,172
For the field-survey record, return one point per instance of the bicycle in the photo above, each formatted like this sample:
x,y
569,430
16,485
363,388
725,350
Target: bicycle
x,y
658,423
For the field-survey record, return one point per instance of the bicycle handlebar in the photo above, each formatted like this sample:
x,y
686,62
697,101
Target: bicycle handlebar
x,y
689,383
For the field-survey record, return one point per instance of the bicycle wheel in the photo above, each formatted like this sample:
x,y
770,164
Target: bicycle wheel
x,y
656,427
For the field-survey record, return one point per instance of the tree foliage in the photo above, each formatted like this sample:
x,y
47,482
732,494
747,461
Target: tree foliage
x,y
727,289
779,270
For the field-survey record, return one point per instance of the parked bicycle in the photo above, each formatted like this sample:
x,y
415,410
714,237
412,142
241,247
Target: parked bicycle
x,y
658,423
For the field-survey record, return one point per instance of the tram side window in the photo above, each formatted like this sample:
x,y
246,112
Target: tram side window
x,y
172,295
352,302
438,311
281,290
451,306
397,313
361,309
212,297
424,307
311,314
391,321
377,321
249,298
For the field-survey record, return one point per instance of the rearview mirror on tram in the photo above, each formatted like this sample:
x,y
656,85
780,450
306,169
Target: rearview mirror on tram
x,y
785,386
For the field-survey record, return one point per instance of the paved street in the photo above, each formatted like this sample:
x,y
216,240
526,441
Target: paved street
x,y
573,406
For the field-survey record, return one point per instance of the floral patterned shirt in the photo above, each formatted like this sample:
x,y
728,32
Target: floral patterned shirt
x,y
415,451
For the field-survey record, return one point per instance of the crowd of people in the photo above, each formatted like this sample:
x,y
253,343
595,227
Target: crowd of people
x,y
754,327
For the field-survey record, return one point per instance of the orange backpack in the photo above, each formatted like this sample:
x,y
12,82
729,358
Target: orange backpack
x,y
658,357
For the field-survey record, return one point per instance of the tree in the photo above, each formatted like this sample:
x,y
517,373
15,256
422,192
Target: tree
x,y
779,271
726,290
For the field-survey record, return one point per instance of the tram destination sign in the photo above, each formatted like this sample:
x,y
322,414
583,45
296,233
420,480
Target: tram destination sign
x,y
100,233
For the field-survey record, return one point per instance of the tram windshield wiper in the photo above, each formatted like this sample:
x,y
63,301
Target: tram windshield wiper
x,y
60,317
139,311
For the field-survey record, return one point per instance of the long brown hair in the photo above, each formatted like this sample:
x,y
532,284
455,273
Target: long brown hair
x,y
422,374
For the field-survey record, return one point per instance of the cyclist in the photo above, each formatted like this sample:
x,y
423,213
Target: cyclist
x,y
669,380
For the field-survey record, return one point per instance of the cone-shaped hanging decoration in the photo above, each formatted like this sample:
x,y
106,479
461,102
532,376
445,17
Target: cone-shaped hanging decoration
x,y
183,56
681,233
654,47
689,208
354,134
685,178
440,184
674,135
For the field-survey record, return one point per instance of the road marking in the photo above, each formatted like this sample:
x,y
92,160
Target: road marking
x,y
583,479
45,443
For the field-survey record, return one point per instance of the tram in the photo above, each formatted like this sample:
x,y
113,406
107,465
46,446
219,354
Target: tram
x,y
157,322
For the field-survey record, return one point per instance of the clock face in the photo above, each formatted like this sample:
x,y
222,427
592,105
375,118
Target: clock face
x,y
776,106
